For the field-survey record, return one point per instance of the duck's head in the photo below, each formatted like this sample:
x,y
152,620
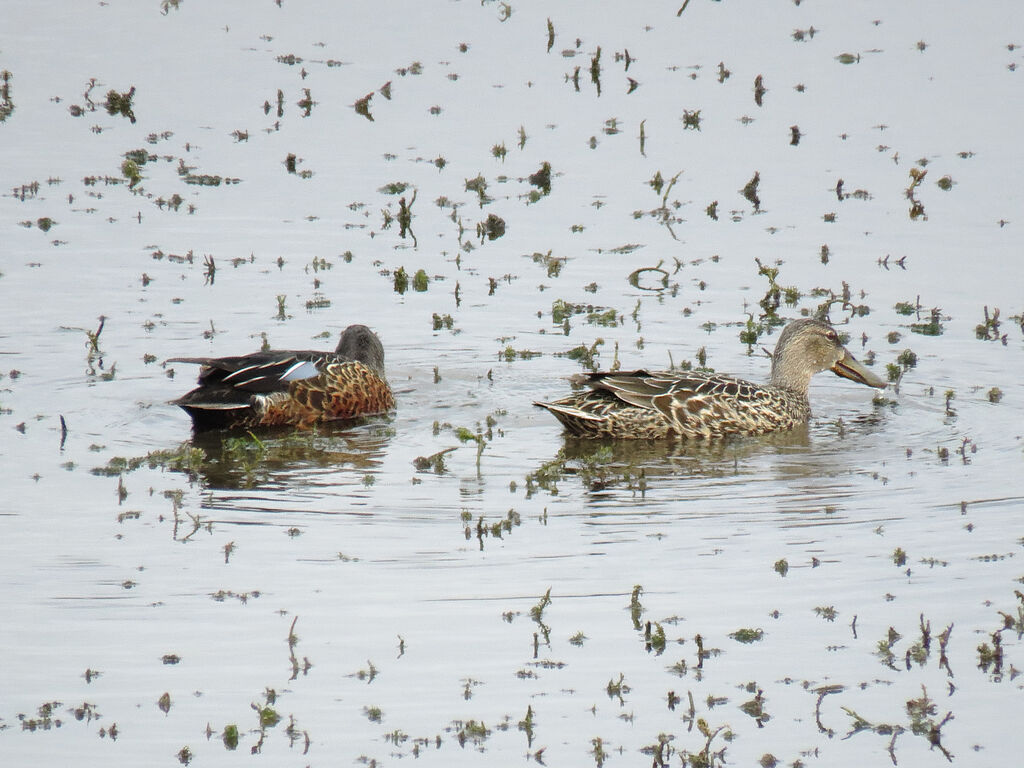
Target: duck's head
x,y
807,347
360,343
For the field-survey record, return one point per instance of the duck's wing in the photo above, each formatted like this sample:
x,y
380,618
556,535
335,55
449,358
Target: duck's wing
x,y
686,397
260,372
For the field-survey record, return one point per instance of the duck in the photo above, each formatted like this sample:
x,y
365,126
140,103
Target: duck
x,y
694,405
298,388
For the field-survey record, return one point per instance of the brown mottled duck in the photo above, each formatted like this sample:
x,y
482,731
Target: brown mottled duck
x,y
704,406
290,387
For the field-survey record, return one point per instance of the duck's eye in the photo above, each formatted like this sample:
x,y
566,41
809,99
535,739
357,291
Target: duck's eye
x,y
832,336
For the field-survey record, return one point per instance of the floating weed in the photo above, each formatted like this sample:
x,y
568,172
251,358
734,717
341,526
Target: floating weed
x,y
680,668
443,322
759,90
920,712
373,714
949,396
636,608
751,333
635,275
578,639
121,104
537,611
400,280
434,462
932,327
772,298
495,530
585,356
660,751
989,329
6,103
907,359
45,718
470,731
749,190
827,612
654,638
466,436
268,716
781,567
490,228
755,707
883,649
526,725
542,177
917,176
616,689
130,170
479,186
995,395
362,106
230,737
552,264
508,354
747,635
707,757
609,318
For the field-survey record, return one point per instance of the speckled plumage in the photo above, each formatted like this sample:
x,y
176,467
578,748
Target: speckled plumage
x,y
693,405
290,387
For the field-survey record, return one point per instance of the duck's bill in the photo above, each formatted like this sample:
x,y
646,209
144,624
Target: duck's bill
x,y
850,369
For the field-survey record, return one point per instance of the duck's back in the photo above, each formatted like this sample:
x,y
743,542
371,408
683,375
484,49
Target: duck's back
x,y
693,405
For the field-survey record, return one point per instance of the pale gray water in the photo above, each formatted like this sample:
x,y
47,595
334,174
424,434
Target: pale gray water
x,y
372,556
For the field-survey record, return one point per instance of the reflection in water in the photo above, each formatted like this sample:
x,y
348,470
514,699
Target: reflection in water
x,y
604,463
286,457
809,469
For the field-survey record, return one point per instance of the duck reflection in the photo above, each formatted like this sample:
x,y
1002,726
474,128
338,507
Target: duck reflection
x,y
276,457
808,452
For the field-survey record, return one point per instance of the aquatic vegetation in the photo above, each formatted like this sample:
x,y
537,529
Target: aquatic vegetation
x,y
230,736
917,176
827,612
362,106
6,102
932,326
121,103
541,178
443,322
490,228
747,635
988,330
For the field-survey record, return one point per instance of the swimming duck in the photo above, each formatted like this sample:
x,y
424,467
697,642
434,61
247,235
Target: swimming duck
x,y
290,387
693,405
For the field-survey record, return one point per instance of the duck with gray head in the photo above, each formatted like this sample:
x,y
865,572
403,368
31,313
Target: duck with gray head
x,y
694,405
290,387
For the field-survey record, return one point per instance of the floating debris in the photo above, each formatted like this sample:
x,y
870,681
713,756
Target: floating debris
x,y
121,104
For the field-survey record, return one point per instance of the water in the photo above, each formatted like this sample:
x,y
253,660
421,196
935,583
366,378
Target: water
x,y
411,590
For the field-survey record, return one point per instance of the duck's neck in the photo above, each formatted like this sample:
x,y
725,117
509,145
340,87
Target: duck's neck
x,y
793,378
